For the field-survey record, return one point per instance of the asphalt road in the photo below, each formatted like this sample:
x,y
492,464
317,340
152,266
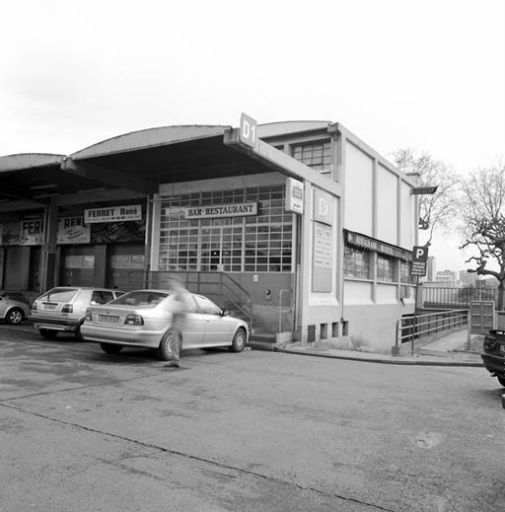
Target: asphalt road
x,y
261,431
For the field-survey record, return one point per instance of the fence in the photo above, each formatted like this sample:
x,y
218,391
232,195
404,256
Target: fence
x,y
428,326
456,297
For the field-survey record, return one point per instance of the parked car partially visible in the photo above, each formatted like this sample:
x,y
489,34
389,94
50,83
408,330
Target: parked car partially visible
x,y
493,355
143,318
13,310
62,309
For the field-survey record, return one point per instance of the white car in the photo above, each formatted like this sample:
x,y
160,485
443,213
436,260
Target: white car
x,y
62,309
143,318
12,309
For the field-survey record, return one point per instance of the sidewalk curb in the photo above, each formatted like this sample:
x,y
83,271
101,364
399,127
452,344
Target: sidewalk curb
x,y
382,361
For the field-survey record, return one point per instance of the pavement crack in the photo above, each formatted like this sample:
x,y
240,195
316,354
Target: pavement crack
x,y
74,388
161,449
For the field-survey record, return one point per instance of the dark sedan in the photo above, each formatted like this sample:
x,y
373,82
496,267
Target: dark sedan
x,y
494,354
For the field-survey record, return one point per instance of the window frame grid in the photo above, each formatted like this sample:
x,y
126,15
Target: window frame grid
x,y
272,219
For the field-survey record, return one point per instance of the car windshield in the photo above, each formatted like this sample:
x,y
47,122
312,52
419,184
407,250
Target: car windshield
x,y
59,295
140,298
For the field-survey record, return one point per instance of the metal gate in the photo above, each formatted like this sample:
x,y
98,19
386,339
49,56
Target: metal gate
x,y
481,317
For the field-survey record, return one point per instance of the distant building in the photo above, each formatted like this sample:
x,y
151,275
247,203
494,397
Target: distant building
x,y
487,282
446,278
467,279
431,269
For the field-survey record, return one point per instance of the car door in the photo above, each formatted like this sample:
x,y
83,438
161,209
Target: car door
x,y
193,325
3,307
217,329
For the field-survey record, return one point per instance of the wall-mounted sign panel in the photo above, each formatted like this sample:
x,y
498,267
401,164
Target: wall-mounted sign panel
x,y
73,230
113,214
323,207
371,244
32,232
322,258
294,195
222,210
11,232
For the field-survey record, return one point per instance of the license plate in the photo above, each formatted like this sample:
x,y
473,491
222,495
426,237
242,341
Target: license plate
x,y
108,319
49,306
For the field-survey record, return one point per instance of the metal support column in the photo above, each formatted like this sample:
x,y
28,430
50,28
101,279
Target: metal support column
x,y
47,264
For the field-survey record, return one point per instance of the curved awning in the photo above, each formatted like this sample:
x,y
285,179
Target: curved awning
x,y
149,138
13,163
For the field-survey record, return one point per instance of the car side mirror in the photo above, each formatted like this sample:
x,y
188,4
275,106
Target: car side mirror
x,y
224,312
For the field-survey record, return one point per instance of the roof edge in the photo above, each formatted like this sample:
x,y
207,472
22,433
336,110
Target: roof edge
x,y
21,161
149,138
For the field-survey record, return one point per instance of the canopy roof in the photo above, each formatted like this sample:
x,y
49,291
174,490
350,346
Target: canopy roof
x,y
138,161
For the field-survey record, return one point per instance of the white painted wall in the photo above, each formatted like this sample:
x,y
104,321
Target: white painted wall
x,y
358,195
387,205
408,217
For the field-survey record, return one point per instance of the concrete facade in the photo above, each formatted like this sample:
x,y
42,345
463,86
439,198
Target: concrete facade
x,y
335,265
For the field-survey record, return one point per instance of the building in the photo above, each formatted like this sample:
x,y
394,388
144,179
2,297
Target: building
x,y
301,220
467,279
446,278
431,269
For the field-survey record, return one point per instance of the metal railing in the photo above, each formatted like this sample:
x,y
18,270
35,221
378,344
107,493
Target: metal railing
x,y
432,325
227,293
456,297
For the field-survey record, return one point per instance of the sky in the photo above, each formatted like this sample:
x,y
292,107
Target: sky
x,y
429,75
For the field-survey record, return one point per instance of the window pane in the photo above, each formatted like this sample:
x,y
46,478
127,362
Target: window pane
x,y
356,263
385,268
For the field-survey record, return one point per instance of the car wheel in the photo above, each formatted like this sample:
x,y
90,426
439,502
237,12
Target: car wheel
x,y
110,348
164,352
48,334
501,380
239,341
14,316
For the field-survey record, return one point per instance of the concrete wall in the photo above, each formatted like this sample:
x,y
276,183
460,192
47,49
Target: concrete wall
x,y
408,218
373,326
358,206
387,206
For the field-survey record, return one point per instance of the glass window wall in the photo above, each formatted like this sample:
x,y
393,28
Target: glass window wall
x,y
256,243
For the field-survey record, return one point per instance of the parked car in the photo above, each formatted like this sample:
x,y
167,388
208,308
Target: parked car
x,y
142,318
493,356
62,309
13,310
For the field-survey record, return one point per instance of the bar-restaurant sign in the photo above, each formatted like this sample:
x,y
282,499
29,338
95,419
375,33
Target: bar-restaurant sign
x,y
113,214
221,210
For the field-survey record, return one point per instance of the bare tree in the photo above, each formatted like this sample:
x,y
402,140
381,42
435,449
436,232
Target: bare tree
x,y
438,208
483,213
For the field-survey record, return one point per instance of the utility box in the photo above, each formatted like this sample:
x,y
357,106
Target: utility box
x,y
482,317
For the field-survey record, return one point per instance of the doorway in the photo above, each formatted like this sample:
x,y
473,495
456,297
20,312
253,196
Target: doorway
x,y
221,248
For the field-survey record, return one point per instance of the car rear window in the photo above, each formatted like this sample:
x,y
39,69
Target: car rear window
x,y
59,295
140,298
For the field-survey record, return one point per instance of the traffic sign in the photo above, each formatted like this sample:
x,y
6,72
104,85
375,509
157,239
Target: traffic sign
x,y
420,253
